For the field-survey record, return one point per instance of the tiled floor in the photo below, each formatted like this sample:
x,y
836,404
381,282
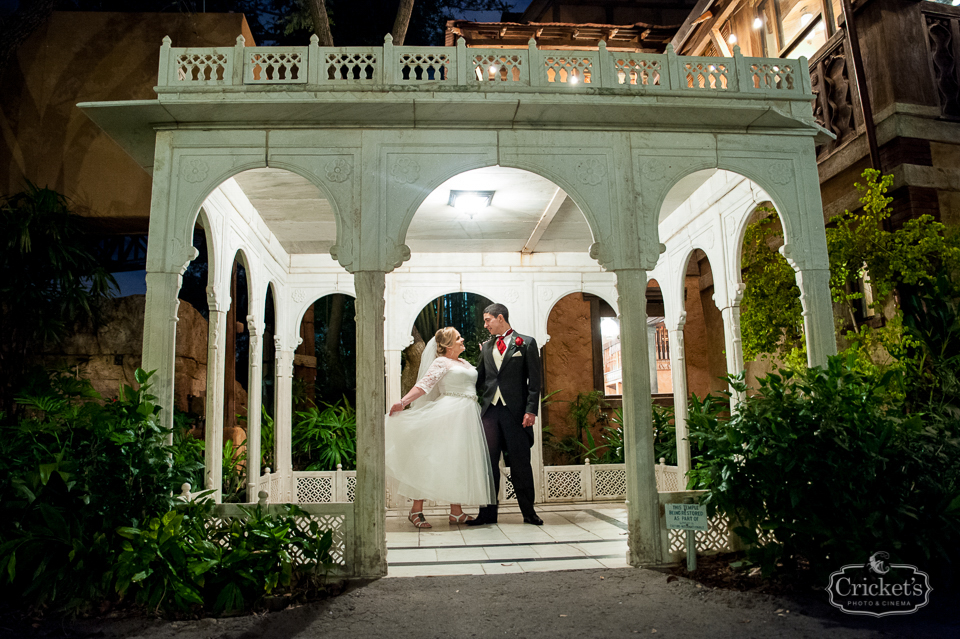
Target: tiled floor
x,y
573,536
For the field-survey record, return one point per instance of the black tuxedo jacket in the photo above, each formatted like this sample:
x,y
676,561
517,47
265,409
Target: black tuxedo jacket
x,y
518,378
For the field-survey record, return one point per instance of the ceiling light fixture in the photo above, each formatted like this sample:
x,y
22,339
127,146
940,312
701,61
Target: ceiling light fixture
x,y
470,202
732,38
757,23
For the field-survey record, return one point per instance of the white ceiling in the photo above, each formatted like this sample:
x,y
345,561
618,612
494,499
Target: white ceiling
x,y
519,202
302,219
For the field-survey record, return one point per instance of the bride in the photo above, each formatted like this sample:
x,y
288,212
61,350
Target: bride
x,y
437,449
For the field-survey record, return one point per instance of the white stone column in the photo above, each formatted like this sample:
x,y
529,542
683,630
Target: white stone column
x,y
643,508
218,304
160,340
734,345
394,388
254,403
678,373
652,357
370,503
818,324
283,421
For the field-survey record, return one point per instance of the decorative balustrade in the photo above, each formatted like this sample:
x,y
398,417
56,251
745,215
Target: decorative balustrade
x,y
587,482
545,71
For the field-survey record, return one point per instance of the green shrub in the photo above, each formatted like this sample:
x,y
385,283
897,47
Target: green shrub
x,y
88,512
184,560
830,470
73,470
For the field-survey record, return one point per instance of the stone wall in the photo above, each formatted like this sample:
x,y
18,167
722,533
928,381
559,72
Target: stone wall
x,y
567,365
109,354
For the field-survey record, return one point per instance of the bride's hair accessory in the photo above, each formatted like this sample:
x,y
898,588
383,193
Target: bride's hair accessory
x,y
446,337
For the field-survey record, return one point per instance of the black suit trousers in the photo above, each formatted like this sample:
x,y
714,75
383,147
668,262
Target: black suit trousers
x,y
505,433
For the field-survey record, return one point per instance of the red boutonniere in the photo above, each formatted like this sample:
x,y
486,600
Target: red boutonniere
x,y
518,341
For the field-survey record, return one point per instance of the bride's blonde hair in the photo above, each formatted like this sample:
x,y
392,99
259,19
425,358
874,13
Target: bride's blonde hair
x,y
446,337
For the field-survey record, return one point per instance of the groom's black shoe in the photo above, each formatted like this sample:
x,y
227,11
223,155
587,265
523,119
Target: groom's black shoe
x,y
480,521
487,515
533,520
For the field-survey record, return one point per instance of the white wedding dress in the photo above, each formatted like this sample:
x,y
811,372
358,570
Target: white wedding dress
x,y
436,449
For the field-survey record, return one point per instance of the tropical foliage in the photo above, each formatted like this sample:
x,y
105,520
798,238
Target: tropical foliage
x,y
771,319
49,280
325,438
825,466
90,517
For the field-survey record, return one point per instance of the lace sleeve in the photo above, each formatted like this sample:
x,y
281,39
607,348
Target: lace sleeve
x,y
433,375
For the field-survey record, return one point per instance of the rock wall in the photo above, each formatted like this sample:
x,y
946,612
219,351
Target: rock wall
x,y
567,361
109,354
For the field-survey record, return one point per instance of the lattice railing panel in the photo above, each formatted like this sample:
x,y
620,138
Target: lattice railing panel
x,y
355,67
642,72
568,70
565,484
334,523
706,74
275,67
505,67
609,484
773,76
424,67
508,491
715,539
351,488
203,68
314,490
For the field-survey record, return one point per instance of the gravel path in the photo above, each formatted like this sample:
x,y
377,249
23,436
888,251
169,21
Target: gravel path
x,y
582,603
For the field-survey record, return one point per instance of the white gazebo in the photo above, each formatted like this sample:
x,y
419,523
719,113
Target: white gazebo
x,y
329,170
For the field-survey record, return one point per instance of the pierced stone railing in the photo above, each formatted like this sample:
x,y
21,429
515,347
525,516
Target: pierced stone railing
x,y
436,68
577,483
716,539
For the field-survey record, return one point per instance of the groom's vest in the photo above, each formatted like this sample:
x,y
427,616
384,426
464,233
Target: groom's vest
x,y
498,360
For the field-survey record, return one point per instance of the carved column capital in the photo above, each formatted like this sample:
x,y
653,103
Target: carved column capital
x,y
217,302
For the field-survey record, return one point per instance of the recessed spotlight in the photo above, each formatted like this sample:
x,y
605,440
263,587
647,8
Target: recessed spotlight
x,y
470,202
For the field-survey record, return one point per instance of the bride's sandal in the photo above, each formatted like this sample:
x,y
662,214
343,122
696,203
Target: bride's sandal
x,y
418,520
462,518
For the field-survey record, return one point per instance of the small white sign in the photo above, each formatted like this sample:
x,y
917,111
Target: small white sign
x,y
687,517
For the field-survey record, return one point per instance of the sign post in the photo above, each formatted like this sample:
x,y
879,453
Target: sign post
x,y
691,518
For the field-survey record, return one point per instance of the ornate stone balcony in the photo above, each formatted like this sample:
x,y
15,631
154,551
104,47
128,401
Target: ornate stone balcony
x,y
595,71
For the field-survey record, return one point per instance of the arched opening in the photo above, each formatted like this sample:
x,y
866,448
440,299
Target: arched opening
x,y
771,316
518,239
190,379
703,331
658,341
324,425
236,384
582,377
463,311
268,458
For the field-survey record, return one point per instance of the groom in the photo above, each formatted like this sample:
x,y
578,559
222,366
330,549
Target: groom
x,y
508,383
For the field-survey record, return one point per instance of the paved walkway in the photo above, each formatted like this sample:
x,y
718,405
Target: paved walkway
x,y
573,536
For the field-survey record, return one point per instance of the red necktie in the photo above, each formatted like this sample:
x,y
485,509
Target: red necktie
x,y
501,346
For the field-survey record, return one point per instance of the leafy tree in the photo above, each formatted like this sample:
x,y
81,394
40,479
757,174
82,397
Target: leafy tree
x,y
49,280
771,317
893,263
